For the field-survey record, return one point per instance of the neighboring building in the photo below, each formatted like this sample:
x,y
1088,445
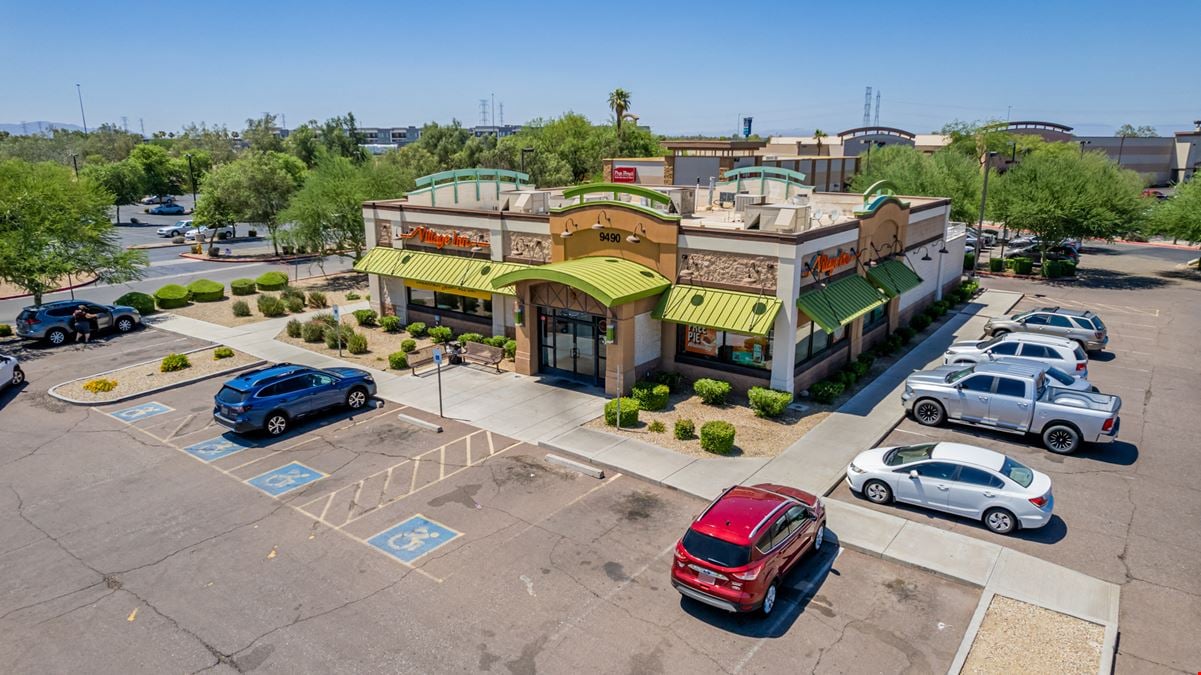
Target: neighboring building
x,y
759,279
500,131
382,139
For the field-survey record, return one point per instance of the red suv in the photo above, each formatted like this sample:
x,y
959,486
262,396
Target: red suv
x,y
740,547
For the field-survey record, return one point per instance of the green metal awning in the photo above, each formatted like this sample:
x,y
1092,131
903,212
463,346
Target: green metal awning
x,y
840,302
893,277
438,270
723,310
612,281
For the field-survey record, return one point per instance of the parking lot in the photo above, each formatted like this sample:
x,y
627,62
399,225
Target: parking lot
x,y
151,541
1127,512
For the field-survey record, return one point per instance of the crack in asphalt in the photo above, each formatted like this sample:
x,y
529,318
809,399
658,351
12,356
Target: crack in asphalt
x,y
56,439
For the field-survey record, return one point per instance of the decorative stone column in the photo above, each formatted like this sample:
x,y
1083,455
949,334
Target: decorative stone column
x,y
783,357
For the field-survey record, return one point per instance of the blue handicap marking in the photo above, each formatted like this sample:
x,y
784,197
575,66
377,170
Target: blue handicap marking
x,y
413,538
141,412
285,479
216,448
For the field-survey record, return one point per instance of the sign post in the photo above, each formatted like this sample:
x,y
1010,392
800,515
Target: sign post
x,y
438,364
338,328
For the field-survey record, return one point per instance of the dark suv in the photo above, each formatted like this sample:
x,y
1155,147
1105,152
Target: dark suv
x,y
52,321
269,399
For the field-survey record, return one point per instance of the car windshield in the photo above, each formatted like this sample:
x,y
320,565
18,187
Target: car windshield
x,y
1060,376
1018,473
230,395
716,551
909,453
959,374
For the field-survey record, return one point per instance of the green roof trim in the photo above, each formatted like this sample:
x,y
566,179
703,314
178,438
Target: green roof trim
x,y
878,194
617,188
439,269
840,302
615,203
724,310
612,281
893,277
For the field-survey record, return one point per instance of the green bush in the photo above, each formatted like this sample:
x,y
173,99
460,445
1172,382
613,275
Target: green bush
x,y
969,261
6,330
858,369
325,318
390,324
288,293
629,412
353,296
510,349
174,362
717,437
656,427
996,265
845,377
769,402
222,353
240,308
313,331
271,281
1054,269
906,334
171,296
271,306
868,357
672,380
940,307
366,317
317,300
826,391
356,343
712,392
471,337
496,341
416,329
969,288
920,322
398,360
650,395
1023,265
440,334
295,304
242,287
294,328
891,344
140,301
408,345
684,430
331,336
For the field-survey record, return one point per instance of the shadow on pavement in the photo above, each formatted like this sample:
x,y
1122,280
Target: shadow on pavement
x,y
1054,531
1101,357
305,425
9,392
1112,280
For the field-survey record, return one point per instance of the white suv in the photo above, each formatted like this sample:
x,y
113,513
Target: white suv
x,y
1056,351
205,233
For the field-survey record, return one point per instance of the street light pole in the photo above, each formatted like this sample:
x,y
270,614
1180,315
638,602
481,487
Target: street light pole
x,y
79,92
983,201
192,179
75,163
523,151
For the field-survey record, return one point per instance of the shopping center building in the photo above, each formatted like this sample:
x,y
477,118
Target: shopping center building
x,y
758,280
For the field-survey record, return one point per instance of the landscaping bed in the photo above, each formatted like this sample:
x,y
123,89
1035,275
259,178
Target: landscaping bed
x,y
1018,637
335,287
144,377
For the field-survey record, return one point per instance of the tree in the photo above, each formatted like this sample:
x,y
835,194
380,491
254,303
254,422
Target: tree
x,y
124,180
262,134
337,135
1131,131
619,103
217,142
162,174
818,135
946,173
254,188
54,226
974,139
1180,216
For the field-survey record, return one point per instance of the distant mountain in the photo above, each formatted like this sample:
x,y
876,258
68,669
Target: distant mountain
x,y
29,128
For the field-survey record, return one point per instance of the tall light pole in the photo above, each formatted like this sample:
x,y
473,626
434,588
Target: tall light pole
x,y
192,179
75,163
983,201
523,151
79,93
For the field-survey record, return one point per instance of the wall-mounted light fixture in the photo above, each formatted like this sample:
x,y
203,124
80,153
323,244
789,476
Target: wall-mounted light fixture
x,y
633,237
568,232
598,225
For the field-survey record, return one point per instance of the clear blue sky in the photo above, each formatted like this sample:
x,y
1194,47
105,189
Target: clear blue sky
x,y
690,66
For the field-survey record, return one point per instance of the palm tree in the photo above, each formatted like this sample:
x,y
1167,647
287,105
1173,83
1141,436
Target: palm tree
x,y
819,135
619,103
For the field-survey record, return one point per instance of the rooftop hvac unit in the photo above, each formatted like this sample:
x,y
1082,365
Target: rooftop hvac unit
x,y
741,201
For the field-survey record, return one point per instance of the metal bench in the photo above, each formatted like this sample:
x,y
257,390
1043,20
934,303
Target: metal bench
x,y
420,358
486,355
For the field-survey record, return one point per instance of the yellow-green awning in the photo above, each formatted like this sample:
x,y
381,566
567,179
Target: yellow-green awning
x,y
724,310
439,270
840,302
893,277
611,281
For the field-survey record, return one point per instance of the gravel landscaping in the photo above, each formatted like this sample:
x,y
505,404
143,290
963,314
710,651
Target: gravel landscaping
x,y
335,287
143,377
1017,637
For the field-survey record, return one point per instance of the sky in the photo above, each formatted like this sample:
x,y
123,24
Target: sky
x,y
690,67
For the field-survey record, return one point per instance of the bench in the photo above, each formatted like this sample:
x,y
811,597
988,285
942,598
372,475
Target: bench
x,y
485,355
420,358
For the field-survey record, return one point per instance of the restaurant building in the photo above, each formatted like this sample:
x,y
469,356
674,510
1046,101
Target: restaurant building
x,y
757,279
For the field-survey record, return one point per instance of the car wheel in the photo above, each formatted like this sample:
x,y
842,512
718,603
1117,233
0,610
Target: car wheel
x,y
124,324
877,492
929,413
769,599
819,538
999,332
18,377
356,398
1000,521
1061,439
56,336
276,424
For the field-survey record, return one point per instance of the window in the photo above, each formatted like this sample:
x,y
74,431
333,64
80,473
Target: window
x,y
974,476
1082,323
940,470
1059,321
1036,320
812,341
1060,376
714,550
319,380
978,383
1079,354
777,533
709,344
798,518
446,301
875,317
909,453
1005,349
1032,351
1018,473
421,297
291,384
450,302
1010,387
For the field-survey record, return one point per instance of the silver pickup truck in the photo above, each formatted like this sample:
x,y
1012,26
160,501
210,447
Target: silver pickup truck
x,y
1012,397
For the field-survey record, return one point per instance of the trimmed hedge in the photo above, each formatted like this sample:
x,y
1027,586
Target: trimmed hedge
x,y
171,296
366,317
142,302
390,324
240,308
769,402
205,290
969,261
717,437
357,343
712,392
471,337
1054,269
416,329
222,353
826,391
685,430
173,362
440,334
398,361
271,281
996,265
408,345
629,412
496,341
271,306
242,287
1023,265
650,395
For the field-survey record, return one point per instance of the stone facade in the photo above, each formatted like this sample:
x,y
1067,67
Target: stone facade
x,y
729,269
527,247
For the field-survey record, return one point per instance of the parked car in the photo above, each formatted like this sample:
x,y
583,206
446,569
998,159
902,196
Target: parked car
x,y
52,321
205,232
1014,398
177,230
1056,377
1032,251
171,209
961,479
736,553
270,399
157,199
988,239
10,372
1059,352
1080,326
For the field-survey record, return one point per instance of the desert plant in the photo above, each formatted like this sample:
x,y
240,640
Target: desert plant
x,y
174,240
242,287
712,392
440,334
408,345
684,430
769,402
656,427
416,329
826,391
650,395
171,296
471,337
173,362
629,412
390,324
222,353
317,300
352,296
398,360
295,328
271,281
140,301
672,380
288,293
295,305
356,343
205,290
240,308
510,349
100,385
366,317
324,318
333,332
717,437
271,306
313,331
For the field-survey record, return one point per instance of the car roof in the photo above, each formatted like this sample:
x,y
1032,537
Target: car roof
x,y
968,454
1006,368
736,515
1068,312
1040,366
59,303
256,378
1041,339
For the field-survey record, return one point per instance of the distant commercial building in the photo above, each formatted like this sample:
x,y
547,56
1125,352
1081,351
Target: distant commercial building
x,y
1160,160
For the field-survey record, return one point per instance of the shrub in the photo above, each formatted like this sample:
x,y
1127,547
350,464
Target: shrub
x,y
204,290
672,380
858,369
269,305
826,391
650,395
408,345
288,293
905,334
1054,269
769,402
1023,265
222,353
684,430
398,360
313,331
656,427
440,334
140,301
868,357
471,337
174,240
242,287
931,313
845,377
294,328
6,330
717,437
325,318
353,296
940,307
100,385
390,324
295,304
240,308
331,336
171,296
271,281
969,261
173,362
317,300
996,265
357,343
712,392
496,341
969,288
629,412
891,344
919,322
416,329
510,349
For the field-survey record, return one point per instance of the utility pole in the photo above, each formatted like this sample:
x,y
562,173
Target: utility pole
x,y
494,113
79,92
142,124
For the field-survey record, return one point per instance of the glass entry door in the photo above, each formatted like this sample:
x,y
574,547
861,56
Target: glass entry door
x,y
572,344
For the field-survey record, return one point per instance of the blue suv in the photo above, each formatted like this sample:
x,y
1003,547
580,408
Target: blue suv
x,y
268,399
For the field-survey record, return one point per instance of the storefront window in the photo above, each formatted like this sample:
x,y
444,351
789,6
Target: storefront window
x,y
876,317
450,302
751,351
421,297
813,341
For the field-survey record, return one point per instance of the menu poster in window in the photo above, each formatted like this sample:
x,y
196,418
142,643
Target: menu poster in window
x,y
701,340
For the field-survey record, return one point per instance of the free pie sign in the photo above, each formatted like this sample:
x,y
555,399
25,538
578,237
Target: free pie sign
x,y
430,237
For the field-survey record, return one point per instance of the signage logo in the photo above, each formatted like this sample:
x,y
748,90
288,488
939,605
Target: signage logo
x,y
428,236
827,264
625,174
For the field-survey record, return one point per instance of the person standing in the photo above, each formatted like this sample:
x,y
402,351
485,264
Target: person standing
x,y
82,323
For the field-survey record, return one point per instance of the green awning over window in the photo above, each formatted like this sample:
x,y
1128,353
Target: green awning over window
x,y
611,281
438,269
840,302
723,310
893,277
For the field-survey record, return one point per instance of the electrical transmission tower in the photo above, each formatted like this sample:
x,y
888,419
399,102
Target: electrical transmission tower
x,y
867,108
483,112
125,123
502,114
876,123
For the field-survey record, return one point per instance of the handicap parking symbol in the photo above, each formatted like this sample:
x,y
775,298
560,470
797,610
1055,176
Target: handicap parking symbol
x,y
141,412
413,538
285,479
216,448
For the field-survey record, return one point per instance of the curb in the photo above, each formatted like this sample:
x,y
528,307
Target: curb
x,y
57,290
249,259
173,385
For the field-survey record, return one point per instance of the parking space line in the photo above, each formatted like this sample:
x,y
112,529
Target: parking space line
x,y
276,452
187,419
915,433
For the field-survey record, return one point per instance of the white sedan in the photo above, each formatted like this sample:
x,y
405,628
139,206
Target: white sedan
x,y
10,372
960,479
205,233
177,230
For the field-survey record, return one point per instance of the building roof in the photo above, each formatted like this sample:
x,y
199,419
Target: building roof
x,y
611,281
840,302
893,277
723,310
713,144
866,131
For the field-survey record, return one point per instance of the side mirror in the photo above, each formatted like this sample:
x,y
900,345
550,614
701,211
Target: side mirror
x,y
913,473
